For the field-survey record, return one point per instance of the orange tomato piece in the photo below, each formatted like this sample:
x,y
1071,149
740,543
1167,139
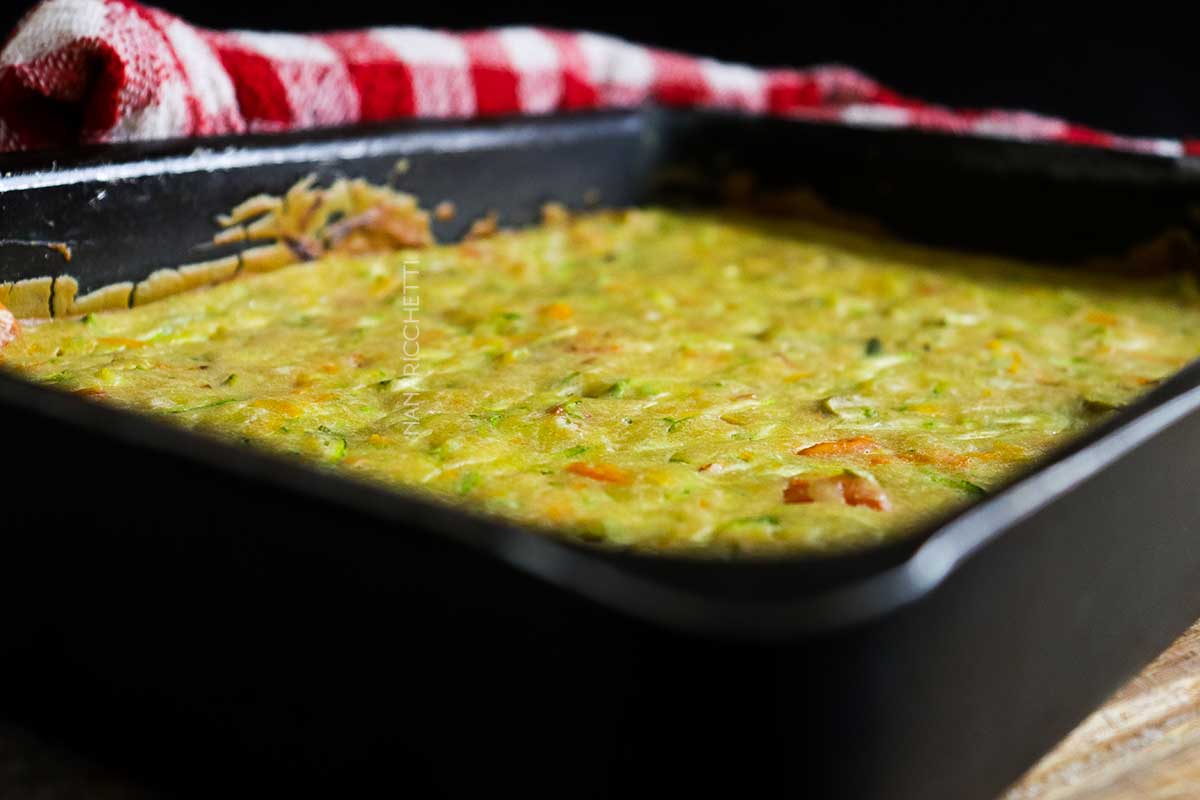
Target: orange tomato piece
x,y
285,407
847,488
121,341
558,311
608,473
942,458
842,447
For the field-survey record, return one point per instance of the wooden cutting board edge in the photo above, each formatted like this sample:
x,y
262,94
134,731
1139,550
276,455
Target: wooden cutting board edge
x,y
1144,743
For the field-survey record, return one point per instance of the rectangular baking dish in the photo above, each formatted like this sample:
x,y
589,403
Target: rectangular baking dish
x,y
196,611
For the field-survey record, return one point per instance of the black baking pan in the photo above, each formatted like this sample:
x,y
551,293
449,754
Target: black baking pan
x,y
219,620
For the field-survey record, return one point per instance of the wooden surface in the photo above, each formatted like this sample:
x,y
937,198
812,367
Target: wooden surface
x,y
1144,744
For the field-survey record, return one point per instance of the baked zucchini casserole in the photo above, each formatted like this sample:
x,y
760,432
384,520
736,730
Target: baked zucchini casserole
x,y
679,381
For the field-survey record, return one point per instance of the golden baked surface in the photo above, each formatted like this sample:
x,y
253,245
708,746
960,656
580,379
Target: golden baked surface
x,y
657,379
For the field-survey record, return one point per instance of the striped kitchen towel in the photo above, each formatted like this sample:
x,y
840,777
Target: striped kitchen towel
x,y
85,71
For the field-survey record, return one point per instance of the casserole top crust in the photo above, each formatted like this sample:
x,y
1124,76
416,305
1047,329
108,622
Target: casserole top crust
x,y
662,380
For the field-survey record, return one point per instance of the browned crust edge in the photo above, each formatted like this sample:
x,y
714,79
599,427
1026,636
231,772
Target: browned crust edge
x,y
305,223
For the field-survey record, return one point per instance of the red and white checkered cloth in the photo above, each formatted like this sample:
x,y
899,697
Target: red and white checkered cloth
x,y
80,71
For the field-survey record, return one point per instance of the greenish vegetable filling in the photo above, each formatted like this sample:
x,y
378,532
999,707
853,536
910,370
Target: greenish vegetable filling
x,y
668,381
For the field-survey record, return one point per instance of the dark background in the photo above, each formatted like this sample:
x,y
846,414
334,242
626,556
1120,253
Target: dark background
x,y
1128,67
